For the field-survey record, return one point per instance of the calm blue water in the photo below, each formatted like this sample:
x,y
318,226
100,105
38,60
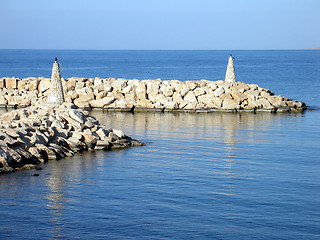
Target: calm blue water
x,y
201,176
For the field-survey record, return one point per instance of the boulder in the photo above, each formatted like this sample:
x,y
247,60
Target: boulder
x,y
230,104
219,91
166,90
102,103
119,84
119,133
3,101
11,83
190,97
2,83
199,92
44,85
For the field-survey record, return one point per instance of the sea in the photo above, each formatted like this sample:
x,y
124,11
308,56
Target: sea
x,y
200,175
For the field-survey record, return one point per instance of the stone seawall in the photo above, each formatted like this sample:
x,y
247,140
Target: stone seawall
x,y
36,134
146,95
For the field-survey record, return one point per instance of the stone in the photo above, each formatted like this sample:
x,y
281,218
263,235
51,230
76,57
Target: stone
x,y
171,105
27,157
190,97
11,157
90,140
2,83
199,92
177,97
102,145
191,85
103,133
144,103
3,160
119,84
44,85
252,94
86,92
107,87
166,90
153,86
119,133
123,104
76,115
230,104
22,101
127,89
12,132
101,94
98,84
191,105
11,83
37,153
89,123
264,103
219,91
3,101
102,103
112,137
253,87
27,167
217,102
253,104
79,85
141,91
23,85
184,90
205,99
238,97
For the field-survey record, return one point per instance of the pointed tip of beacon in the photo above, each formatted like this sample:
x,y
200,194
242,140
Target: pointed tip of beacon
x,y
56,59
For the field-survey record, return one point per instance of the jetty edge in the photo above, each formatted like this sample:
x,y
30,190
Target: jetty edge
x,y
117,94
36,134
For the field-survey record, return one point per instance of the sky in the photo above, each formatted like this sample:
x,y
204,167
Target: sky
x,y
160,24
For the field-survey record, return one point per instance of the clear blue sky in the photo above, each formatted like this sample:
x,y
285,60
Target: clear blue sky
x,y
159,24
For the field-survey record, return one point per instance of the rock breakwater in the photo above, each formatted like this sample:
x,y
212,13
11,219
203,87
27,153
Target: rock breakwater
x,y
36,134
146,95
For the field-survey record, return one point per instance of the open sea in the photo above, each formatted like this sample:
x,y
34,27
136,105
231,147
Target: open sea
x,y
200,176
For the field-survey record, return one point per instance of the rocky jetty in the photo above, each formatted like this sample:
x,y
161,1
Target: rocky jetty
x,y
147,95
36,134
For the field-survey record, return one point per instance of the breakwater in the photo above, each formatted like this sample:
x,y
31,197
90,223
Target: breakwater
x,y
36,134
148,95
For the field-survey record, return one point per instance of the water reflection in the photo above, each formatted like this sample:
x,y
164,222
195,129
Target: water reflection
x,y
63,179
226,128
216,140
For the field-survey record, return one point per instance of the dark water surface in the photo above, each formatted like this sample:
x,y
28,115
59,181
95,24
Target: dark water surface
x,y
201,176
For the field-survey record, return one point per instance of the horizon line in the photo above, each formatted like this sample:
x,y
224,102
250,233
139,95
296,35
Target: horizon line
x,y
92,49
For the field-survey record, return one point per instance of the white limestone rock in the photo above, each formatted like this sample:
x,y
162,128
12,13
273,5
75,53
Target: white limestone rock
x,y
102,103
76,115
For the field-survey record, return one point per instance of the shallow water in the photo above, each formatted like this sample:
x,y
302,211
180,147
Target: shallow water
x,y
204,176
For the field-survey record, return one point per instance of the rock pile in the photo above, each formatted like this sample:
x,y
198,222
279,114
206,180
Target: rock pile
x,y
134,95
36,134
